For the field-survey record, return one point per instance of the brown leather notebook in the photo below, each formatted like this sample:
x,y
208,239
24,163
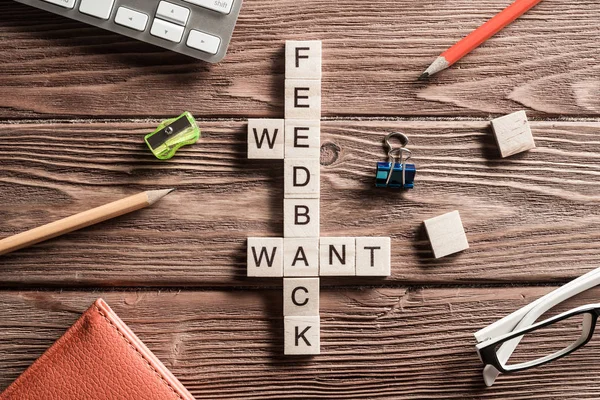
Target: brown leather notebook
x,y
98,358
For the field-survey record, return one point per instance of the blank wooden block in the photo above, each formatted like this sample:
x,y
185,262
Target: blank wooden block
x,y
302,178
300,297
303,139
302,335
301,218
300,257
337,256
446,234
266,139
373,256
513,133
303,59
265,257
302,99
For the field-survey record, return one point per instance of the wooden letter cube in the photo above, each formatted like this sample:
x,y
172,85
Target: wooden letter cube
x,y
301,257
301,218
373,256
303,139
513,133
265,257
303,59
300,297
302,99
338,256
266,139
302,335
446,234
302,178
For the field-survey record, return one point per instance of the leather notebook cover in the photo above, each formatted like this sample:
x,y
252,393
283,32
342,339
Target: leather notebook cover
x,y
99,357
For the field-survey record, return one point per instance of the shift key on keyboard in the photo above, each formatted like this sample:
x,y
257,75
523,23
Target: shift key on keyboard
x,y
166,30
221,6
62,3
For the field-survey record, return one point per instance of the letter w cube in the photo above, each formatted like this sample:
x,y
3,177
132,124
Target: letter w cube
x,y
266,139
265,257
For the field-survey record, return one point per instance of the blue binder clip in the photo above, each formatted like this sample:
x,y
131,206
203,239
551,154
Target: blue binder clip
x,y
396,173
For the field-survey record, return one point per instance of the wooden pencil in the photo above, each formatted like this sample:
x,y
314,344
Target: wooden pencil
x,y
81,220
478,36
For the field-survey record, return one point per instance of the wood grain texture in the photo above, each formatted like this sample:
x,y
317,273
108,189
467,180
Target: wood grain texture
x,y
377,343
530,218
547,62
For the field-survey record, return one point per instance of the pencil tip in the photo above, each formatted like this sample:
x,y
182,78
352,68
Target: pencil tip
x,y
438,65
156,195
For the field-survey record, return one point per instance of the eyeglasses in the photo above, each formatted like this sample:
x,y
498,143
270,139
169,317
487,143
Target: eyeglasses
x,y
500,340
542,342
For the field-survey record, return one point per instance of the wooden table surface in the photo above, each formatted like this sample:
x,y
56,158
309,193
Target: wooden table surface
x,y
76,102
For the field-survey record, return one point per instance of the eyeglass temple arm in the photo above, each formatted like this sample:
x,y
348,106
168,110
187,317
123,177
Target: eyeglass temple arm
x,y
527,315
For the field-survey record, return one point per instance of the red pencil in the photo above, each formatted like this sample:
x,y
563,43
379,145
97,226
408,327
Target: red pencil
x,y
478,36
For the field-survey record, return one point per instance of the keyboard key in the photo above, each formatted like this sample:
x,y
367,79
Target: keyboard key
x,y
131,19
97,8
204,42
221,6
173,12
62,3
166,30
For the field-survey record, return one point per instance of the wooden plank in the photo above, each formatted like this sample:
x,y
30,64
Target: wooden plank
x,y
531,218
546,62
375,343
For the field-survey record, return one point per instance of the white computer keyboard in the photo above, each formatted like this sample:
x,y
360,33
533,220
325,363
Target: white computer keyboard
x,y
198,28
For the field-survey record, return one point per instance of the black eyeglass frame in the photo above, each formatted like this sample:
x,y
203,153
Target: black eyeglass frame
x,y
488,349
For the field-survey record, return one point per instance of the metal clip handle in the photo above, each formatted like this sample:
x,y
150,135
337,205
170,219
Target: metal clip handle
x,y
397,153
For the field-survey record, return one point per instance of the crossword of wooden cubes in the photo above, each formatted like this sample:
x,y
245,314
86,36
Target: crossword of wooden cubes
x,y
301,255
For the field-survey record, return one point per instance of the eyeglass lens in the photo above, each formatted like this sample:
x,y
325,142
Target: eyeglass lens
x,y
549,342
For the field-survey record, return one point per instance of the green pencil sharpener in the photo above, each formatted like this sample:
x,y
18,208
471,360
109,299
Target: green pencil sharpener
x,y
172,134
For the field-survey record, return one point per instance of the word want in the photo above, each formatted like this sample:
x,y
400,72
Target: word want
x,y
301,255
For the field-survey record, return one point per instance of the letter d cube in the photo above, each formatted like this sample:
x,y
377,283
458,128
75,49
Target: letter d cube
x,y
302,178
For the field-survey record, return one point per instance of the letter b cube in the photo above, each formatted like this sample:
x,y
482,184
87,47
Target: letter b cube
x,y
301,218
